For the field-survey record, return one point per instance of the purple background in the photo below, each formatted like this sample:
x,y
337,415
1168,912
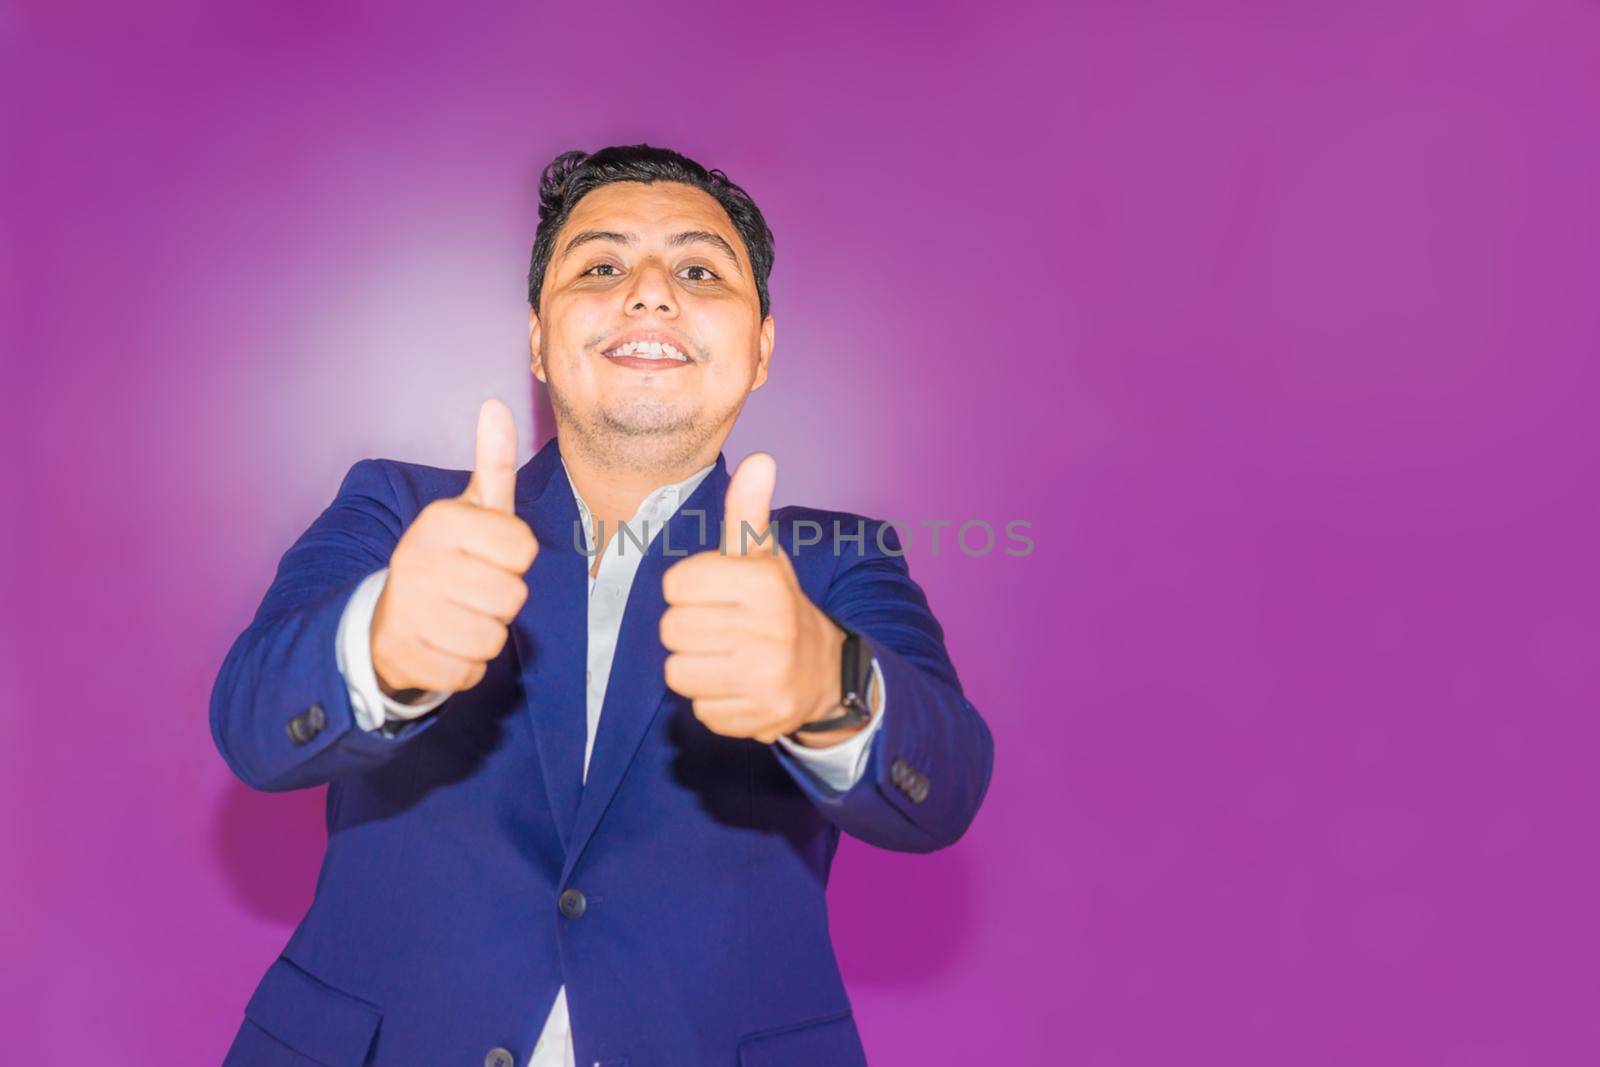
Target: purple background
x,y
1278,322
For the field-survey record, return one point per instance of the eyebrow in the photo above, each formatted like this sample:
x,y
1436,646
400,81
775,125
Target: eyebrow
x,y
677,240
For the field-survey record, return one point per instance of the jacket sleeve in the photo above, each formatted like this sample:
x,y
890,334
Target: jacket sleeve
x,y
280,708
928,767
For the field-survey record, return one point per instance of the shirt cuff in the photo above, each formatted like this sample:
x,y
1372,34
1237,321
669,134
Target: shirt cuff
x,y
373,707
840,766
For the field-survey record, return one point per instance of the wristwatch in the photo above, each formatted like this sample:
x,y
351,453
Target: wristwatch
x,y
855,678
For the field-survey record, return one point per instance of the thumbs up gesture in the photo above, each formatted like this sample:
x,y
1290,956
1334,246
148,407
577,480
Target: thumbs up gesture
x,y
746,645
456,577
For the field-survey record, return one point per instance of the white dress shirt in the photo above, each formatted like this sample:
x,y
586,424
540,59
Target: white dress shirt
x,y
838,766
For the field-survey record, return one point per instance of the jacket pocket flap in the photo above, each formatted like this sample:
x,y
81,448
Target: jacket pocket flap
x,y
832,1041
312,1017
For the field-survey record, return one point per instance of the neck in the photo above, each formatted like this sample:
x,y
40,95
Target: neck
x,y
613,484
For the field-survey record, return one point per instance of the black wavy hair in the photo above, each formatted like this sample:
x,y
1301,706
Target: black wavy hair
x,y
572,175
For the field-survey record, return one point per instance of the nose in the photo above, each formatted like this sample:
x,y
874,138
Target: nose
x,y
651,289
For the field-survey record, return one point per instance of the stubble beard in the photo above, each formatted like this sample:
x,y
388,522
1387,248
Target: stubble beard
x,y
644,435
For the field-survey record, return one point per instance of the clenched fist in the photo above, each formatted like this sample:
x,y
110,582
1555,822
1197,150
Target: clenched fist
x,y
746,644
456,577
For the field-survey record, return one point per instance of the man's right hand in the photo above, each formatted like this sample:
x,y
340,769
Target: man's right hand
x,y
456,577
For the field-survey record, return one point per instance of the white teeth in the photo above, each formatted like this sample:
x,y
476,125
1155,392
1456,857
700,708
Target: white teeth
x,y
649,350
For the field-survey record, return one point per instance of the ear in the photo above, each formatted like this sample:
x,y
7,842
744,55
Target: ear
x,y
764,353
535,332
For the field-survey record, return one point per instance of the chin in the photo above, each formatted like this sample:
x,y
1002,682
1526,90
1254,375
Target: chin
x,y
649,420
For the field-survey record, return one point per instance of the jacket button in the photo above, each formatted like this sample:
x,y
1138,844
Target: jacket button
x,y
572,903
316,718
898,771
499,1057
917,787
299,730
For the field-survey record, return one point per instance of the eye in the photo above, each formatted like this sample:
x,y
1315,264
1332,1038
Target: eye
x,y
710,275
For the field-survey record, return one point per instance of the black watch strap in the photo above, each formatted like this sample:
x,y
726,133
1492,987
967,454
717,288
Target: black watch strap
x,y
855,680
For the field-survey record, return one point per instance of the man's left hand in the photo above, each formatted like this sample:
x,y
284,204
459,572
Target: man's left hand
x,y
745,643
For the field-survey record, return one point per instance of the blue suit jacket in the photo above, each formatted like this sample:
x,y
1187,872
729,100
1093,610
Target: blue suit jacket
x,y
435,937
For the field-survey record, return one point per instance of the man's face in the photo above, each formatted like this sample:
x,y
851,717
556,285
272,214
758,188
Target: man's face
x,y
660,262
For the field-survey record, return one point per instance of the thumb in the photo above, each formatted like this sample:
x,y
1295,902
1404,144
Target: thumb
x,y
747,510
494,470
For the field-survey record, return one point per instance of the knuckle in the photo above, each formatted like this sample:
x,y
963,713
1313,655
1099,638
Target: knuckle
x,y
428,516
670,583
404,551
527,545
437,518
516,596
424,676
689,573
393,673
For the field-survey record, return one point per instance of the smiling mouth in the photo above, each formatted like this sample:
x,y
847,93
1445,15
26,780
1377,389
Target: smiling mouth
x,y
647,356
647,351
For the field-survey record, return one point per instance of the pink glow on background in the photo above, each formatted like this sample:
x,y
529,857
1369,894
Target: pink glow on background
x,y
1277,321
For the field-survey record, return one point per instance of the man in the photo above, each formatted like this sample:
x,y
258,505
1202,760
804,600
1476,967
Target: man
x,y
592,727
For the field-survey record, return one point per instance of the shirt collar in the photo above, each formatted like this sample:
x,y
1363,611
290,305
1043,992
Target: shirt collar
x,y
661,503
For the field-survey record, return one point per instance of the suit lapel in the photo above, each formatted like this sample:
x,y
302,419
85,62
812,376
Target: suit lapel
x,y
552,640
637,685
552,632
